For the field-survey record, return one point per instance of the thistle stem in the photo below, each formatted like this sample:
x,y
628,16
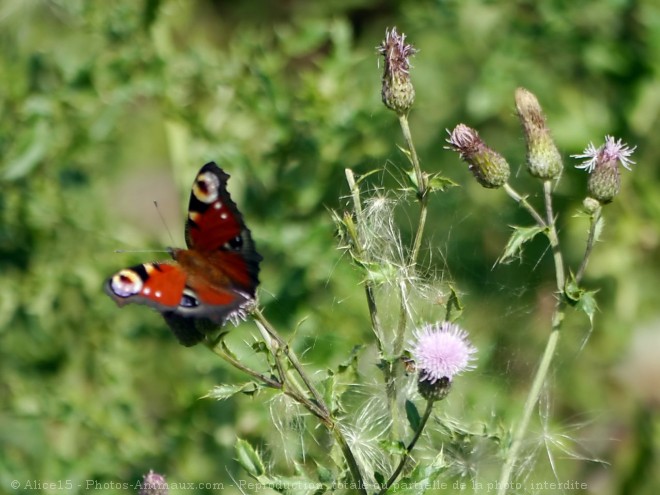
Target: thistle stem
x,y
422,186
554,238
595,221
551,344
411,445
522,201
530,403
291,356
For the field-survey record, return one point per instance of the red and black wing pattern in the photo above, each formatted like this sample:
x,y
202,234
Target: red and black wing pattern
x,y
216,228
213,280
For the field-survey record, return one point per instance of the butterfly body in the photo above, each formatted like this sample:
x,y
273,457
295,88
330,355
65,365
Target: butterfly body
x,y
212,281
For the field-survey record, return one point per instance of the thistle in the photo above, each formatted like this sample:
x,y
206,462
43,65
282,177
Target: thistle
x,y
603,166
440,351
543,158
489,167
397,90
153,484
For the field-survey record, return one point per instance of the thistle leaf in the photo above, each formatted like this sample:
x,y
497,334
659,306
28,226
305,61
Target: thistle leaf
x,y
226,390
413,416
249,459
520,236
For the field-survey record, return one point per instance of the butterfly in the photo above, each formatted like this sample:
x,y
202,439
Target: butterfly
x,y
212,281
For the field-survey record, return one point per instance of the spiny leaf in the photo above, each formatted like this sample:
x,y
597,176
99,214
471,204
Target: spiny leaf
x,y
587,303
225,391
520,236
249,459
438,182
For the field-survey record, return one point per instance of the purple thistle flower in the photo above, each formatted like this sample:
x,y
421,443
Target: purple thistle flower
x,y
611,151
441,351
153,484
603,166
397,90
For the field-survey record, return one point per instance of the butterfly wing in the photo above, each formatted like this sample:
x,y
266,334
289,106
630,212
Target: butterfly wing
x,y
216,229
159,285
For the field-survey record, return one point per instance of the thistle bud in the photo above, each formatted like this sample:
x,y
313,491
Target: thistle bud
x,y
543,158
489,167
397,90
437,390
603,165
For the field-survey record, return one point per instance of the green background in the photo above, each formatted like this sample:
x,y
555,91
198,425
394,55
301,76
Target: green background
x,y
106,107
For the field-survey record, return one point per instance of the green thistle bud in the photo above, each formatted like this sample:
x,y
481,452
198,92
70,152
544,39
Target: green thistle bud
x,y
590,205
397,90
434,390
603,165
489,167
543,158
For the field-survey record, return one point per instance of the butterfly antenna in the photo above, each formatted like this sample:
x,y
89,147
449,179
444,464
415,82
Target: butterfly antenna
x,y
162,219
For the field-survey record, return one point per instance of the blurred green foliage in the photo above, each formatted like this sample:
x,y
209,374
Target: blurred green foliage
x,y
108,106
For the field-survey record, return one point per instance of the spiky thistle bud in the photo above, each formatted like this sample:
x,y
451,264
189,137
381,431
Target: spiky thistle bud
x,y
489,167
543,158
153,484
603,166
397,90
440,352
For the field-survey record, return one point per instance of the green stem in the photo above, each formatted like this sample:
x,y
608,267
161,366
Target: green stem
x,y
522,201
411,445
350,459
291,356
530,403
595,220
359,254
554,239
422,187
553,339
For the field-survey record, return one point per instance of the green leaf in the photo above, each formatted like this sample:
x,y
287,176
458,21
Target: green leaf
x,y
393,448
454,307
438,182
520,236
587,303
249,459
351,363
225,391
325,475
413,416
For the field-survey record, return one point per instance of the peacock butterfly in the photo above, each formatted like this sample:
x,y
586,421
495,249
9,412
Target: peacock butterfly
x,y
210,282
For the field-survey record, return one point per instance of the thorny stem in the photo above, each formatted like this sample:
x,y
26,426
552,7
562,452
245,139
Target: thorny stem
x,y
595,220
411,445
550,346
